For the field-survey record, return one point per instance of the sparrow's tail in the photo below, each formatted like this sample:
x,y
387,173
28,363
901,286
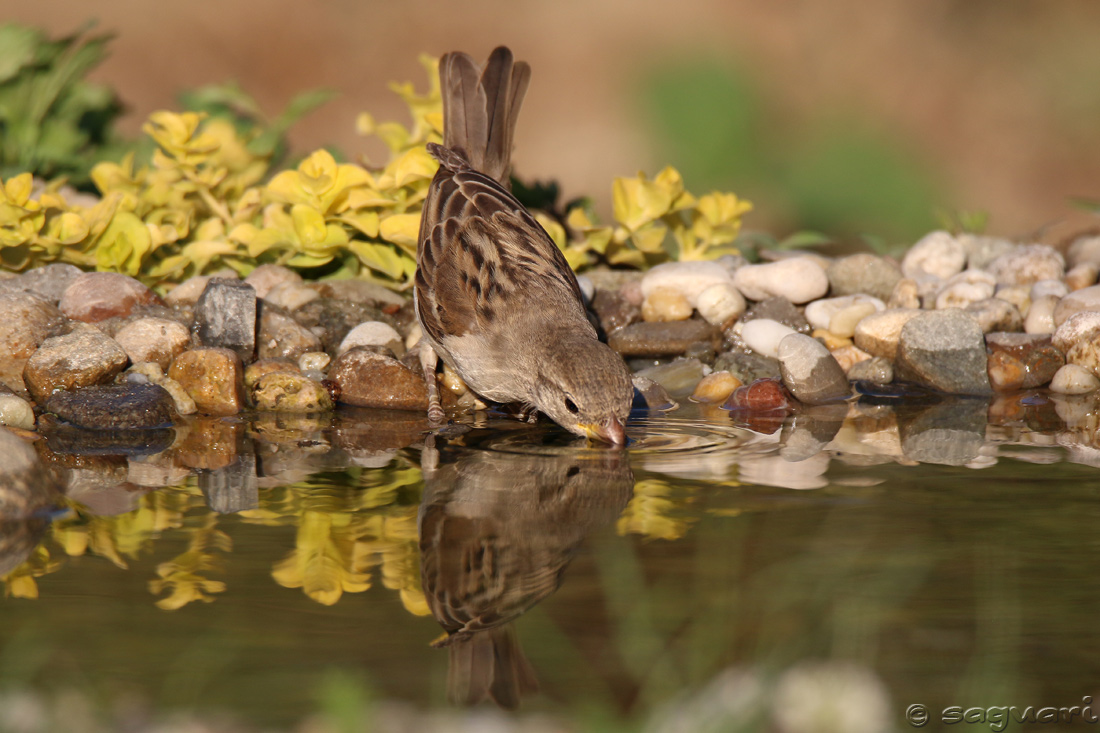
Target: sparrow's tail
x,y
480,108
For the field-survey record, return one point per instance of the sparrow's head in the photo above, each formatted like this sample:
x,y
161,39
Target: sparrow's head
x,y
585,387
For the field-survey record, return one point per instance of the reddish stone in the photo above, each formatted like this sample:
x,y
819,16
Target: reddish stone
x,y
96,296
764,395
1021,361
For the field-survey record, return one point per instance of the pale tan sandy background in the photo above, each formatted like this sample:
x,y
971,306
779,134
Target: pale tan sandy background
x,y
1000,98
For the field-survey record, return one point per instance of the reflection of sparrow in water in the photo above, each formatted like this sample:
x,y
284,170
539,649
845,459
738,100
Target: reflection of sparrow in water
x,y
494,294
497,531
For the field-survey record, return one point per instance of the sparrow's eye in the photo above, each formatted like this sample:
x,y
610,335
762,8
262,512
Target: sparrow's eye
x,y
571,406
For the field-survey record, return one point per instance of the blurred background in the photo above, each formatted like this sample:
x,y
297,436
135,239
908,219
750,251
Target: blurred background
x,y
847,117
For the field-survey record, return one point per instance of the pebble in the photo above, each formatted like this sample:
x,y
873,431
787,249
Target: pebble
x,y
662,339
1082,276
1079,339
1057,288
876,370
687,278
225,317
994,314
1021,361
863,273
281,335
781,310
1028,264
848,355
878,333
271,365
151,372
944,350
937,253
1084,250
649,395
15,412
153,339
715,388
188,291
1040,315
79,359
906,294
50,281
763,395
1072,379
587,287
290,295
329,319
26,320
361,292
666,304
810,372
798,279
763,335
314,361
290,392
266,277
373,333
678,377
981,250
820,313
613,310
213,377
1085,299
748,366
368,379
720,304
129,405
95,296
965,288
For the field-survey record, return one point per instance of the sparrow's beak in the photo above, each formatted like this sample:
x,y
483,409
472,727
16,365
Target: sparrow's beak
x,y
609,431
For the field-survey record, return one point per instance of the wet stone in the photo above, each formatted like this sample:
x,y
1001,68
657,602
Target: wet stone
x,y
715,388
281,336
1074,380
232,488
284,392
26,320
810,372
225,317
114,406
763,335
649,395
153,339
15,412
662,339
747,366
80,359
213,378
69,440
679,377
367,379
262,367
95,296
863,273
876,370
330,320
613,310
994,314
944,350
150,372
878,333
951,433
762,395
666,304
1021,361
780,310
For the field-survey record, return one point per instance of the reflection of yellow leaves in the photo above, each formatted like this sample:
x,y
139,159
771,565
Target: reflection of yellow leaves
x,y
182,576
648,513
320,561
20,582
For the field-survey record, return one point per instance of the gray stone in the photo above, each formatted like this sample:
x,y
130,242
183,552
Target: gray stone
x,y
863,273
130,405
994,314
810,372
951,434
26,320
225,317
233,488
679,377
663,338
613,310
649,395
96,296
778,309
50,281
747,366
877,370
79,359
281,336
944,350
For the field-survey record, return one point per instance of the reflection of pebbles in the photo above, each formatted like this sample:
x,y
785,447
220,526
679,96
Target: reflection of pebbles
x,y
497,531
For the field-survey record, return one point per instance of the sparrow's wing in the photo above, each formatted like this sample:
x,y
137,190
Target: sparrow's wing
x,y
481,252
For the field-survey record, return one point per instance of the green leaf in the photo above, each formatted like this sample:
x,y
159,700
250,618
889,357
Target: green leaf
x,y
17,49
803,240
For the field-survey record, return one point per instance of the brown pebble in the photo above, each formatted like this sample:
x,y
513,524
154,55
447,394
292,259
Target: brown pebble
x,y
213,377
95,296
715,388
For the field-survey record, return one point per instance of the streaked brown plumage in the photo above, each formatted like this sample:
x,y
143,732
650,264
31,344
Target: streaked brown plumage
x,y
494,295
497,531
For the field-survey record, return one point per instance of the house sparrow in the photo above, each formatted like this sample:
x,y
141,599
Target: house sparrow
x,y
497,531
494,295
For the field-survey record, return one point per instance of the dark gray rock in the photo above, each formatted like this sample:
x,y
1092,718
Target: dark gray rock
x,y
670,338
951,433
810,372
225,317
613,310
944,350
49,281
747,366
114,406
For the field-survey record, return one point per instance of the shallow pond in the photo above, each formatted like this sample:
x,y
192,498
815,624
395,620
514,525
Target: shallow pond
x,y
843,565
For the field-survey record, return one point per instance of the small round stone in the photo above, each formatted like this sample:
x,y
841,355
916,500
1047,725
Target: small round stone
x,y
1085,299
266,277
810,372
906,294
876,370
863,273
1040,315
314,361
720,304
820,312
153,339
878,333
284,392
1082,276
372,333
1049,287
763,335
798,279
666,304
15,412
95,296
291,295
844,322
715,388
937,253
1074,379
848,356
1028,264
688,278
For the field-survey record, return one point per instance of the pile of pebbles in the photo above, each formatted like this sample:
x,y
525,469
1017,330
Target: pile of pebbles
x,y
959,314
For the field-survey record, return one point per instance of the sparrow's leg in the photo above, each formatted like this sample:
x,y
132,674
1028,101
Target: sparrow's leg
x,y
428,361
